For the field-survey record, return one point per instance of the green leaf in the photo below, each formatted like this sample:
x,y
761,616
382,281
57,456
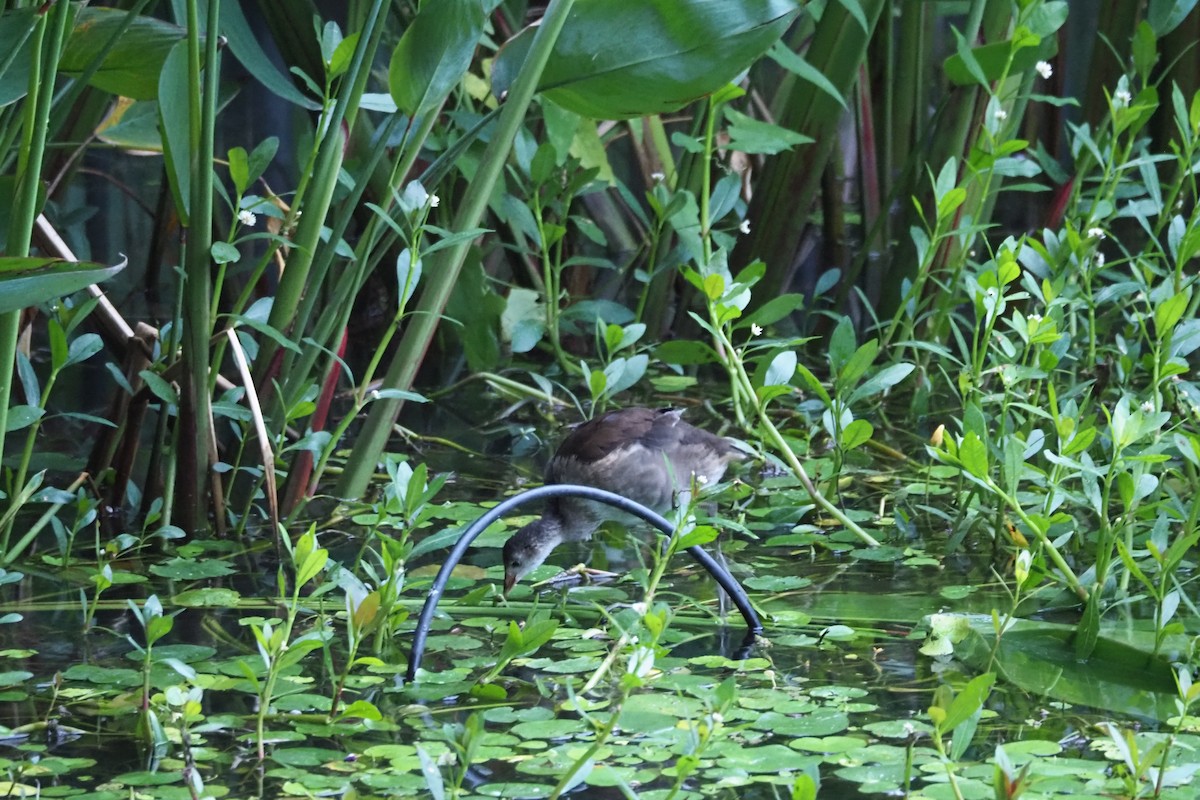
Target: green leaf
x,y
701,534
774,310
188,569
244,45
1087,633
132,65
83,348
16,27
969,700
795,63
980,66
434,53
813,384
1168,313
881,381
749,135
207,597
1164,16
855,434
782,369
1145,49
225,253
858,364
239,169
22,416
973,455
27,282
617,59
173,118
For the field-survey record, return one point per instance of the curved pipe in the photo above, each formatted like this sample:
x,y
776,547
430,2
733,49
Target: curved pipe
x,y
722,576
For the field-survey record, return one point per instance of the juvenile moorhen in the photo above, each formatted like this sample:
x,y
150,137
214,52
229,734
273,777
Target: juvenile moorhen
x,y
646,455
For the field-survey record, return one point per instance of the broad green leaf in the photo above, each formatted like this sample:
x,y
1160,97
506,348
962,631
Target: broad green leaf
x,y
1164,16
16,27
434,53
22,416
173,121
132,66
617,59
132,125
244,45
27,282
980,66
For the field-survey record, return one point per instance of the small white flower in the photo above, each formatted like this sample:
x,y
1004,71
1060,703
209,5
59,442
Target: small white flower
x,y
1099,260
1035,318
745,226
657,177
756,329
1148,407
434,200
1122,98
1176,379
1096,233
247,217
1000,115
1044,69
639,608
702,479
1140,297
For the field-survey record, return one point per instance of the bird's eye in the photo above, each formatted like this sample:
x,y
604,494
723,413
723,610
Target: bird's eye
x,y
515,562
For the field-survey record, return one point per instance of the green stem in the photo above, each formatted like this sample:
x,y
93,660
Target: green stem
x,y
417,338
43,72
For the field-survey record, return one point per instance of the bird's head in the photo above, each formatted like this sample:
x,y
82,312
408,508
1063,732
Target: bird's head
x,y
528,548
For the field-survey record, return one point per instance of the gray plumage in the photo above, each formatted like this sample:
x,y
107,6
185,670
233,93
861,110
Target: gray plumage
x,y
650,456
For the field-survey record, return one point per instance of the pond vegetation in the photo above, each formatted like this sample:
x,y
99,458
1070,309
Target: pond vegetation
x,y
290,307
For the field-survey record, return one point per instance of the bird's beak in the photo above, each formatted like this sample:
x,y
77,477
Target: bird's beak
x,y
510,580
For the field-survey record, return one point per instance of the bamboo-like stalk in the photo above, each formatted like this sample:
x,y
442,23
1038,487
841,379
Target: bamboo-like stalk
x,y
316,202
44,55
195,402
449,262
791,180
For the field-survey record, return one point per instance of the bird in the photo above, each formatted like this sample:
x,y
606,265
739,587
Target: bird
x,y
648,455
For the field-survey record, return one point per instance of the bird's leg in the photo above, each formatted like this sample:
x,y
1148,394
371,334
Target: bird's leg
x,y
580,573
